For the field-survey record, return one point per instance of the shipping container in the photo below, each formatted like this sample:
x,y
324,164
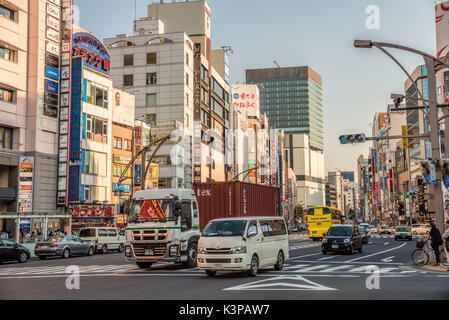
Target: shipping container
x,y
236,199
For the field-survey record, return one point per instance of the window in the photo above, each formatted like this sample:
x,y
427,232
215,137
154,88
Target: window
x,y
128,60
8,13
96,94
127,145
151,100
187,79
6,95
187,59
151,79
117,143
102,233
187,99
95,163
5,138
151,58
7,54
128,80
117,171
252,229
266,228
204,74
96,129
112,233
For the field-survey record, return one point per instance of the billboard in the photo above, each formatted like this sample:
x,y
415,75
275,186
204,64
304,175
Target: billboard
x,y
25,189
93,52
383,121
246,99
123,107
442,29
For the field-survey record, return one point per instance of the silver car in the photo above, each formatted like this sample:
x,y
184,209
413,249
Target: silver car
x,y
63,246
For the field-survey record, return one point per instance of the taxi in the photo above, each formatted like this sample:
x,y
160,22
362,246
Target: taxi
x,y
385,230
403,233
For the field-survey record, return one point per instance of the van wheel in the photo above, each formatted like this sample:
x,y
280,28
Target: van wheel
x,y
104,249
66,253
280,262
254,269
211,273
191,256
120,248
144,265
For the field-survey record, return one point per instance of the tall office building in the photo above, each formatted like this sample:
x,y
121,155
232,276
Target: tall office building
x,y
292,99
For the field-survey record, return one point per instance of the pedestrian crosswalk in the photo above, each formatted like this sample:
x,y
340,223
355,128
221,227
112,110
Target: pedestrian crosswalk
x,y
58,270
345,268
304,245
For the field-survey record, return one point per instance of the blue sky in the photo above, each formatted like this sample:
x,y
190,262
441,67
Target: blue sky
x,y
357,83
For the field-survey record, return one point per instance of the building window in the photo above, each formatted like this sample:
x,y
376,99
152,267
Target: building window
x,y
151,79
8,13
5,138
128,80
95,163
127,146
187,120
117,143
151,100
151,58
204,74
187,79
96,129
187,99
6,95
187,59
96,94
128,60
7,54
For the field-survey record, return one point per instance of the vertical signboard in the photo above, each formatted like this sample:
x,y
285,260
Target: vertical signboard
x,y
197,113
75,130
404,140
25,196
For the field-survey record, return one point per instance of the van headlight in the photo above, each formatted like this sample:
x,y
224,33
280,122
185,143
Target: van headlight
x,y
202,251
238,250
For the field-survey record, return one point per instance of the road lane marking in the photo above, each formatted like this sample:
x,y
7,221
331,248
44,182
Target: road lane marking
x,y
389,259
386,243
297,266
377,253
314,268
326,258
282,283
307,255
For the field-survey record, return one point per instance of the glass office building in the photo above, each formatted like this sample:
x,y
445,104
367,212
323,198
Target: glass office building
x,y
292,99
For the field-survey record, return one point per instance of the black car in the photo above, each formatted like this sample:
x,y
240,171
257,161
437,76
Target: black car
x,y
10,251
342,238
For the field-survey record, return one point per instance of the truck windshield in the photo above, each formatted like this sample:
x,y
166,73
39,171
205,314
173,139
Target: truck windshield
x,y
225,229
152,210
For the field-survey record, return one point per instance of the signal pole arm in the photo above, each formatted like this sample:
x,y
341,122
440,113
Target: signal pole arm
x,y
415,136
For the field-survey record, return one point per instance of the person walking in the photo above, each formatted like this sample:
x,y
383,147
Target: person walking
x,y
435,241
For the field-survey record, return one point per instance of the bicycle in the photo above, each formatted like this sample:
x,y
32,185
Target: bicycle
x,y
423,254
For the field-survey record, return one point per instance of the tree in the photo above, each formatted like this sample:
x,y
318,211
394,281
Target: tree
x,y
299,211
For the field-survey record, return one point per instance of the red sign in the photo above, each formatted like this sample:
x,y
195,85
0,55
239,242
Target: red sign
x,y
151,210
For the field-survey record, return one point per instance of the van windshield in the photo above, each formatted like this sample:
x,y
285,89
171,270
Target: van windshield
x,y
152,210
225,229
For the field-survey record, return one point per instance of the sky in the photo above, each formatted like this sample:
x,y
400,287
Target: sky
x,y
357,83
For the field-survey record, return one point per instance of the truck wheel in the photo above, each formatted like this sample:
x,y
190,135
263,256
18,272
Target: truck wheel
x,y
120,248
211,273
144,265
191,256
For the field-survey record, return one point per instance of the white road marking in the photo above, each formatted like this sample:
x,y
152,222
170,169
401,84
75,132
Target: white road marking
x,y
377,253
314,268
386,243
281,284
326,258
307,255
389,259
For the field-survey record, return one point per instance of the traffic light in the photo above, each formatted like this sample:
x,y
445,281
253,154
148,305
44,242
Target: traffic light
x,y
352,138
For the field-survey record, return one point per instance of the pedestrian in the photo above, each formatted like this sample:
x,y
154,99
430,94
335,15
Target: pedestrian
x,y
50,234
446,241
2,235
435,241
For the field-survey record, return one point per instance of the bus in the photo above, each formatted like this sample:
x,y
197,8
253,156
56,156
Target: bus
x,y
319,220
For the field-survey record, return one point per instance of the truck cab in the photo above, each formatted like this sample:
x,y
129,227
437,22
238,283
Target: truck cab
x,y
163,226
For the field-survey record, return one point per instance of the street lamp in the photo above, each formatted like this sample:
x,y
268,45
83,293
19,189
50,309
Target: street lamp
x,y
433,64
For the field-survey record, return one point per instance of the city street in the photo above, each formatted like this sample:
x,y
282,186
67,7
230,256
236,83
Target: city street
x,y
307,275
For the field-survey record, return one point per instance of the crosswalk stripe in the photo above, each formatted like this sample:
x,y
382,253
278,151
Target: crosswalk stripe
x,y
333,269
314,268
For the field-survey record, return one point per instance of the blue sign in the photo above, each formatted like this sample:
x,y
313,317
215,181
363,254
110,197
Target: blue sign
x,y
51,86
123,187
74,183
236,96
75,110
25,224
137,174
52,73
94,54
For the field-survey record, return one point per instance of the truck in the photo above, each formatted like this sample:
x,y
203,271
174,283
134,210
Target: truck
x,y
165,225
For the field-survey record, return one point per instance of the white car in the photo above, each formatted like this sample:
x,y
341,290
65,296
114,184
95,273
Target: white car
x,y
420,229
372,230
243,244
103,238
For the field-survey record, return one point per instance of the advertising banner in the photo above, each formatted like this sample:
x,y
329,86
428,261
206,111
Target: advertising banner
x,y
94,54
123,107
442,29
25,185
75,110
246,99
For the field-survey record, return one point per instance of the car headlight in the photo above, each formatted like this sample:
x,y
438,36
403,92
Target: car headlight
x,y
174,250
238,250
203,251
346,241
324,240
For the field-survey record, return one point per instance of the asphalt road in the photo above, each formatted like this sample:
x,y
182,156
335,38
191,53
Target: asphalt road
x,y
307,275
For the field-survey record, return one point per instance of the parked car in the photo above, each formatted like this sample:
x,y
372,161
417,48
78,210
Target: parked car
x,y
342,238
373,230
403,233
420,229
385,230
103,238
364,232
243,244
11,251
63,246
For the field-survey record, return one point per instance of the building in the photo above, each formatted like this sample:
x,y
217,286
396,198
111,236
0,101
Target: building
x,y
179,83
349,175
331,195
335,179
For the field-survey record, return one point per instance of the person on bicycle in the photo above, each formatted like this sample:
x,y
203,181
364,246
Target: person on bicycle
x,y
435,241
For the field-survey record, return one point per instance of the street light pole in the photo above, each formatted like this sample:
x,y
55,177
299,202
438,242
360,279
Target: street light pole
x,y
433,64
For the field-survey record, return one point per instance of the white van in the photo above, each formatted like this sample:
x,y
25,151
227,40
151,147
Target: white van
x,y
243,244
420,229
104,238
